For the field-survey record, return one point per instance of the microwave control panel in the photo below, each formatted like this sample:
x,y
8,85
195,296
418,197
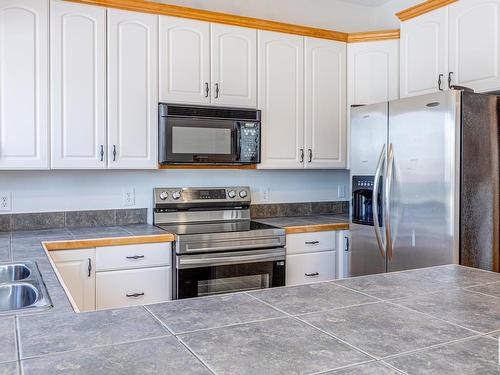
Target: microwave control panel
x,y
250,141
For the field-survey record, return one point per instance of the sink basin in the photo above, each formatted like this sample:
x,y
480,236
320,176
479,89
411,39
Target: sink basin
x,y
17,296
14,272
22,288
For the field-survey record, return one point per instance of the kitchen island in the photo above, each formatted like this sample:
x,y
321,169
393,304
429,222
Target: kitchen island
x,y
436,320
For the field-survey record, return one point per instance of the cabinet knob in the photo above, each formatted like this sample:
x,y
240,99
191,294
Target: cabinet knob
x,y
440,81
130,295
135,257
312,242
301,155
216,91
313,274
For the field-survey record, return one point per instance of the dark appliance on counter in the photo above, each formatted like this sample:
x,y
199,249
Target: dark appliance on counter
x,y
217,248
208,135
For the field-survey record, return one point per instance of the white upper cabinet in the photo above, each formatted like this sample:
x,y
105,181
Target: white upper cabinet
x,y
24,86
325,104
184,61
424,53
132,89
281,99
475,44
78,85
233,65
373,72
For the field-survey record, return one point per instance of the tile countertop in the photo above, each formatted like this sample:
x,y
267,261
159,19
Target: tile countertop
x,y
304,224
436,320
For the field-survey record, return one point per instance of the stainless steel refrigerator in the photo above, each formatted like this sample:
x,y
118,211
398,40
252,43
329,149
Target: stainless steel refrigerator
x,y
425,183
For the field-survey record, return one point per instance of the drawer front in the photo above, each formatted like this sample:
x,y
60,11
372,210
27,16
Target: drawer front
x,y
310,242
133,256
309,268
143,286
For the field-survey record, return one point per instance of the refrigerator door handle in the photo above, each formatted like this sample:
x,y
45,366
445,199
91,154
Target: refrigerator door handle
x,y
375,192
387,213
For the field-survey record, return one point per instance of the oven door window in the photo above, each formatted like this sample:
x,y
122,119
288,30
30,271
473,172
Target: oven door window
x,y
197,282
200,140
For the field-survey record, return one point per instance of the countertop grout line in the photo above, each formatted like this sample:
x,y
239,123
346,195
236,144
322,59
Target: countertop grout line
x,y
354,290
353,365
481,293
393,367
17,338
179,339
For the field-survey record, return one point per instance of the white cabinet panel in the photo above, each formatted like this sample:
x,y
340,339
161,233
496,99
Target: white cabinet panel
x,y
310,242
133,287
475,44
24,126
133,256
281,99
233,65
184,60
132,89
77,269
78,85
325,104
310,267
373,72
424,53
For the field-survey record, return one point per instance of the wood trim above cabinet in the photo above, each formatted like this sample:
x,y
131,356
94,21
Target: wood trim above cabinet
x,y
316,228
422,8
217,17
371,36
110,241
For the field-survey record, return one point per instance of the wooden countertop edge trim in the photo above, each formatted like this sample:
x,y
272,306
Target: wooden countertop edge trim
x,y
109,241
210,16
422,8
316,228
371,36
213,166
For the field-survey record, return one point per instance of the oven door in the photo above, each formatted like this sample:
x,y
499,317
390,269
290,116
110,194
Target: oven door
x,y
195,140
217,273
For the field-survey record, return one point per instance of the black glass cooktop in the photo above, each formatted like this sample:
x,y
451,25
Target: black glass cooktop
x,y
220,227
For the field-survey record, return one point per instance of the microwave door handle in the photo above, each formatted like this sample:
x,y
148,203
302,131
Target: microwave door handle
x,y
238,141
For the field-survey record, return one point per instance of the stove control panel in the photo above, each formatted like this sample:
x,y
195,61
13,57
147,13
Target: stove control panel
x,y
236,194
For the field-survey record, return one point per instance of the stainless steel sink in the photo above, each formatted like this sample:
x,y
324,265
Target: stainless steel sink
x,y
22,288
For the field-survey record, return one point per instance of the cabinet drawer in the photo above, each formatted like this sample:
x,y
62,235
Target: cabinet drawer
x,y
116,288
310,242
311,267
133,256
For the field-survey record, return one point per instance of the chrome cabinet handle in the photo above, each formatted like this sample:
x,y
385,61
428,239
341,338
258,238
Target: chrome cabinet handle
x,y
89,267
135,257
207,89
388,186
440,81
114,152
134,294
346,244
450,74
312,242
301,155
216,91
375,192
310,155
312,274
101,153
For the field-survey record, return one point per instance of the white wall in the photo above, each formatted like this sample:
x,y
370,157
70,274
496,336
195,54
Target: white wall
x,y
384,16
39,191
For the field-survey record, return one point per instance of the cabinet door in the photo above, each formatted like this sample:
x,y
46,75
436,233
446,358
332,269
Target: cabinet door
x,y
184,61
132,89
78,85
373,74
24,84
281,99
77,270
310,267
325,104
475,44
233,65
424,53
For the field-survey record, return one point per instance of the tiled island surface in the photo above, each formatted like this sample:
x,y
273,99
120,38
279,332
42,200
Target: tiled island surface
x,y
439,320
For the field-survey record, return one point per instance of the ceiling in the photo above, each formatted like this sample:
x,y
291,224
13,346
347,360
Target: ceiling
x,y
368,3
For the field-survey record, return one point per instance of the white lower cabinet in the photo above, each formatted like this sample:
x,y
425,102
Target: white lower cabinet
x,y
132,287
310,267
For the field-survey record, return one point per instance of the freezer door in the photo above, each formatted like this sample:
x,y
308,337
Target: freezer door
x,y
422,178
368,144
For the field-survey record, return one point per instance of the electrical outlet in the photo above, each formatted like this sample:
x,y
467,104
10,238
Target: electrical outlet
x,y
129,197
264,194
5,201
341,191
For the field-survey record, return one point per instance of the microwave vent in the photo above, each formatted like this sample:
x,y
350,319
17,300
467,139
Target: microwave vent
x,y
211,112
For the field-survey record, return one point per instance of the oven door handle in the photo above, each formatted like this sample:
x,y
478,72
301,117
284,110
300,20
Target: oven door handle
x,y
223,259
194,249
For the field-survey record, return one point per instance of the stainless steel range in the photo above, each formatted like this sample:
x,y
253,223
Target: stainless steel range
x,y
218,249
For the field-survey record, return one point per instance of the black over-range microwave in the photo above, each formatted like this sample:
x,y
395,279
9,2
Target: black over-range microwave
x,y
208,135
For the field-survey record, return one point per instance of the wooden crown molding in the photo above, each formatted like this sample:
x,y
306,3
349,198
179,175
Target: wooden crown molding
x,y
371,36
422,8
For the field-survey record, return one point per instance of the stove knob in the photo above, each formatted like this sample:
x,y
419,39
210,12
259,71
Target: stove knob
x,y
231,194
163,195
176,195
243,194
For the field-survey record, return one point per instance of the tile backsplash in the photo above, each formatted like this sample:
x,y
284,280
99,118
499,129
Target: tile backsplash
x,y
259,211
